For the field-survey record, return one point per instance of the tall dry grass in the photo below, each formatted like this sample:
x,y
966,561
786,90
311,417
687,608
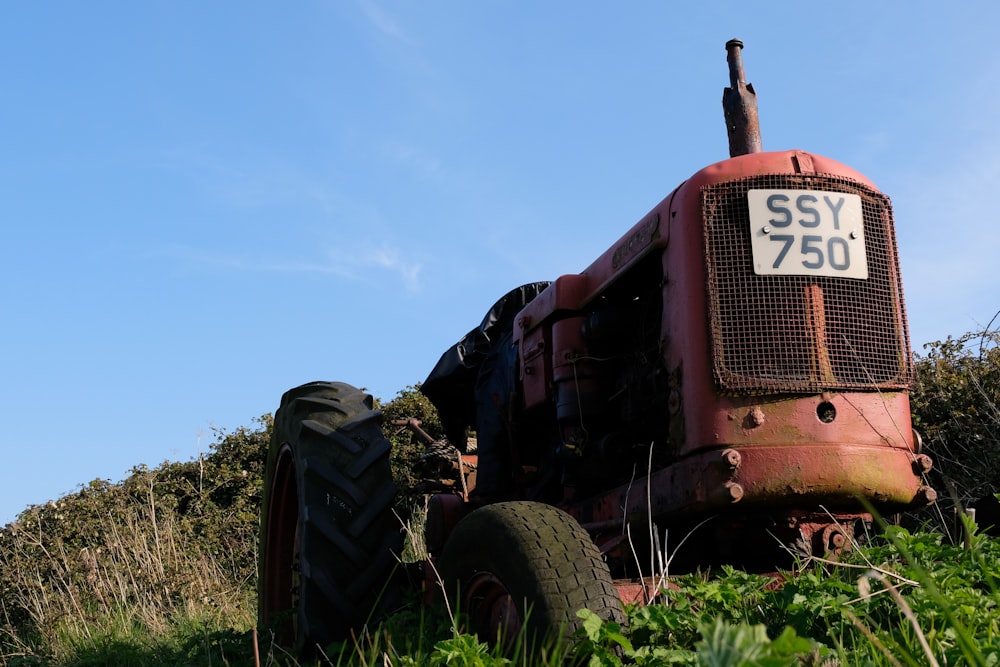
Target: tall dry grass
x,y
141,564
140,575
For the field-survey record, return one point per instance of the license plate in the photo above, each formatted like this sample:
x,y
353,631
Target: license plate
x,y
807,233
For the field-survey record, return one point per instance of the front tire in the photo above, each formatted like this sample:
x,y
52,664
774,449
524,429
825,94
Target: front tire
x,y
328,538
506,558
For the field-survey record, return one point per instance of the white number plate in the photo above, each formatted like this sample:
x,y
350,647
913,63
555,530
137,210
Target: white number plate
x,y
807,233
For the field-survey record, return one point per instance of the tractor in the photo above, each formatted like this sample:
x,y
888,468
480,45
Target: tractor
x,y
726,384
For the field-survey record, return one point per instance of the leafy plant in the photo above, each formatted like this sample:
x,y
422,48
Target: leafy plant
x,y
956,406
727,645
409,404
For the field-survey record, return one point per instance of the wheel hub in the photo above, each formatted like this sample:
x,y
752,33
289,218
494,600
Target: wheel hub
x,y
491,609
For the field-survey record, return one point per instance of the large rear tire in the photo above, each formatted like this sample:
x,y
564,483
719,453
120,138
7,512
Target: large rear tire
x,y
328,535
506,558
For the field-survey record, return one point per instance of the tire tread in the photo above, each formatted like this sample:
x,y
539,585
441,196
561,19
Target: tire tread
x,y
542,554
348,536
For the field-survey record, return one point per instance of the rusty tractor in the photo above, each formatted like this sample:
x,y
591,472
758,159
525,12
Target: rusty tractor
x,y
733,373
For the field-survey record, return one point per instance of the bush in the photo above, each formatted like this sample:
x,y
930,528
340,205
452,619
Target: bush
x,y
956,407
407,447
111,562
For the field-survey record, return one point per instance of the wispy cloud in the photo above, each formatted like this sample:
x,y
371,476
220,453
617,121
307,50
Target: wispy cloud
x,y
383,21
364,263
399,40
415,160
274,184
390,259
245,182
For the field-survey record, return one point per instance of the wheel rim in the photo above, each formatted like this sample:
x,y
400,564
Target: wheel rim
x,y
491,609
281,546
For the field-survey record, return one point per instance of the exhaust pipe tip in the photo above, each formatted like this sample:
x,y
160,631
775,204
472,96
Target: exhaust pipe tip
x,y
739,102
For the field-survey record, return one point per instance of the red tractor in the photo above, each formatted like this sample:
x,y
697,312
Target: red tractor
x,y
734,370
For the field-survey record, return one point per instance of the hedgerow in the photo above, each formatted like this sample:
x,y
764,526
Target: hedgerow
x,y
162,547
956,407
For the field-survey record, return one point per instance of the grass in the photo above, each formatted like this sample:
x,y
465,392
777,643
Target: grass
x,y
160,570
906,599
144,585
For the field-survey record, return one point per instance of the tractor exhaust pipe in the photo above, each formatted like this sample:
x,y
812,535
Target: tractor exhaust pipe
x,y
739,102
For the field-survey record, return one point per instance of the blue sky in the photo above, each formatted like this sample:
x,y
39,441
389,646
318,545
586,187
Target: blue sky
x,y
205,204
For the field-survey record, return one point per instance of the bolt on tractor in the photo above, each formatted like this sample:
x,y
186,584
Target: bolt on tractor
x,y
733,373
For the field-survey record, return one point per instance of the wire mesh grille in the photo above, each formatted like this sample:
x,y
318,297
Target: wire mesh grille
x,y
802,333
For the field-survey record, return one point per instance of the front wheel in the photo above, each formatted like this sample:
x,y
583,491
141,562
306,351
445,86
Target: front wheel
x,y
525,567
328,535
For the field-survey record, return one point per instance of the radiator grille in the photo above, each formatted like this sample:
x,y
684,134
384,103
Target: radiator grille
x,y
802,333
